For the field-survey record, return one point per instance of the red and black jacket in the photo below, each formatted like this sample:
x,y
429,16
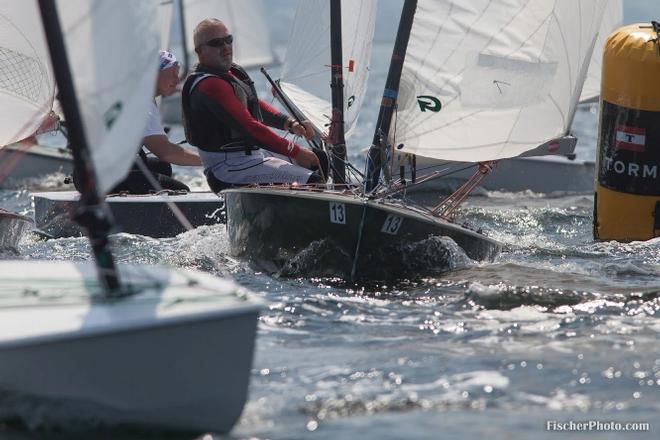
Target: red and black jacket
x,y
222,112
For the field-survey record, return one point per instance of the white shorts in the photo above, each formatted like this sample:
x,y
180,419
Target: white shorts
x,y
261,166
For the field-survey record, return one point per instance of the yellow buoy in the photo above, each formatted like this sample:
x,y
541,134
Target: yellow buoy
x,y
627,200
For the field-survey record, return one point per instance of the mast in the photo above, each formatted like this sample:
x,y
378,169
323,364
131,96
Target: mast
x,y
184,41
92,213
337,85
388,104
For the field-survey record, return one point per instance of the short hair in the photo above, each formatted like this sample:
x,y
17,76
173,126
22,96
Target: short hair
x,y
202,28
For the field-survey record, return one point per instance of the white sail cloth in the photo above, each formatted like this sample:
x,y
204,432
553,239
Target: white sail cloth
x,y
612,19
491,79
306,71
245,19
27,83
165,20
113,54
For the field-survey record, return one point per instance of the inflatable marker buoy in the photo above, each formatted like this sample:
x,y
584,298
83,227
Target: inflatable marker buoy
x,y
627,199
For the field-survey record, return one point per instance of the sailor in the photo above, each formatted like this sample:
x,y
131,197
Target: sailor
x,y
156,141
228,123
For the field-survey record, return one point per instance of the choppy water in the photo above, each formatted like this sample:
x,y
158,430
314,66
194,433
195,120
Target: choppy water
x,y
558,327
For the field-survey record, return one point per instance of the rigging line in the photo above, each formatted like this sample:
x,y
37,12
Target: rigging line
x,y
451,203
356,254
180,216
397,187
307,75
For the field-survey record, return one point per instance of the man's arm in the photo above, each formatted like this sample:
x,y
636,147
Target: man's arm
x,y
218,96
169,152
274,118
220,99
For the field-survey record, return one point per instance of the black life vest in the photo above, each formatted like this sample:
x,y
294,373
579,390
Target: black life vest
x,y
203,129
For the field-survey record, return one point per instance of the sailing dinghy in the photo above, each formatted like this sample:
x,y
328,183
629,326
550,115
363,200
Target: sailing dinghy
x,y
485,89
99,344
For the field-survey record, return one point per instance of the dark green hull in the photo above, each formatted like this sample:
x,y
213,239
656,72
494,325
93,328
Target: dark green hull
x,y
306,233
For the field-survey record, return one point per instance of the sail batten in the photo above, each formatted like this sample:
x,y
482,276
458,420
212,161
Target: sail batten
x,y
487,80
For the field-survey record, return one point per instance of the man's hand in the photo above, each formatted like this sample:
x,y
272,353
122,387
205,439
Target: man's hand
x,y
307,159
302,129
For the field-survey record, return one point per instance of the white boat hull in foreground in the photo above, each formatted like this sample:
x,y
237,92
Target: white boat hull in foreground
x,y
175,356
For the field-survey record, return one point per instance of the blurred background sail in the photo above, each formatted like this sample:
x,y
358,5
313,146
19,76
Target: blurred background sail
x,y
306,72
246,20
165,13
27,83
612,19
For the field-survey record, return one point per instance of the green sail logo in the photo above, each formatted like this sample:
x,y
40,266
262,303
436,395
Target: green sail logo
x,y
430,103
351,100
111,115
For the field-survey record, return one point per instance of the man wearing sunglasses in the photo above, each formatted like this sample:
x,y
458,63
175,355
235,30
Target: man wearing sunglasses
x,y
224,118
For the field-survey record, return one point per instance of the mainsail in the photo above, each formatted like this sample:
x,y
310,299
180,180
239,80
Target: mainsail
x,y
27,83
245,19
113,52
306,73
165,20
612,19
486,80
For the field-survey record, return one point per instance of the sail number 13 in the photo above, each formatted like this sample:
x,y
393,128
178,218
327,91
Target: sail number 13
x,y
338,213
392,224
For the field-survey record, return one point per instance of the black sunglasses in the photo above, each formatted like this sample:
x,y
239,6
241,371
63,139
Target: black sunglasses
x,y
220,41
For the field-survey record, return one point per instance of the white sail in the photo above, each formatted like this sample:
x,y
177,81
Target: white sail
x,y
113,54
306,72
491,79
612,19
165,20
245,19
27,83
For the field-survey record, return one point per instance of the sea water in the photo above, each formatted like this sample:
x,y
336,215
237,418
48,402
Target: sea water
x,y
556,338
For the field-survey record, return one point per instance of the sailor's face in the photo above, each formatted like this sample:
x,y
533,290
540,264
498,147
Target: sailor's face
x,y
168,79
218,50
